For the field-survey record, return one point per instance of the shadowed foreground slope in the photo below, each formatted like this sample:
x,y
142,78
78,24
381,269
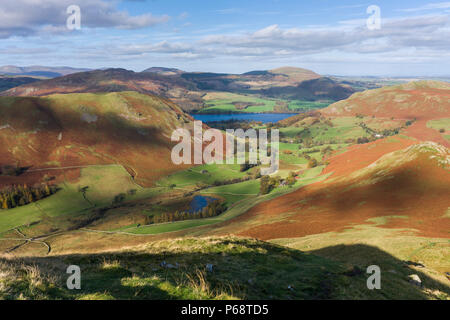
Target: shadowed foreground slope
x,y
241,269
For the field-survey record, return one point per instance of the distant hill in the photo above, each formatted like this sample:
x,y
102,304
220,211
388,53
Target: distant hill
x,y
297,74
187,89
164,71
282,83
126,128
40,71
8,82
175,88
251,81
311,90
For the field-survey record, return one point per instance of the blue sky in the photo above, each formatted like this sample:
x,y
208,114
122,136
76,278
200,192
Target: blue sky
x,y
329,37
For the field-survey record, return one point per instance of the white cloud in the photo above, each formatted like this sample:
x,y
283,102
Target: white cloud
x,y
430,6
29,17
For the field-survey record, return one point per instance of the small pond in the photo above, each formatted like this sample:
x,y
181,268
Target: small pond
x,y
199,202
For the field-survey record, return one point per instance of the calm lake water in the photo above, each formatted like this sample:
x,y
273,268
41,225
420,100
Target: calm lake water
x,y
199,202
263,117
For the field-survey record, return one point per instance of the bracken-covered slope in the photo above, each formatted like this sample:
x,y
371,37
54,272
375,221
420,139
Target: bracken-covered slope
x,y
409,187
73,130
421,101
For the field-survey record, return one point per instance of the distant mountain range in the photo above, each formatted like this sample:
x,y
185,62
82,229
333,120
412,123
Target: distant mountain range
x,y
187,88
164,71
39,71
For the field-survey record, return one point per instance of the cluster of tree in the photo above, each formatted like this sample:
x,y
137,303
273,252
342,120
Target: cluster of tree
x,y
312,163
290,180
21,195
289,122
213,209
247,166
310,151
362,140
377,134
121,197
8,170
269,183
249,176
234,124
327,150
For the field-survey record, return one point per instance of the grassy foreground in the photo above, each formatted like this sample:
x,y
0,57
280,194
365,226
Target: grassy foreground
x,y
178,269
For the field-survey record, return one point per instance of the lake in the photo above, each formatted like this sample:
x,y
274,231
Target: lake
x,y
263,117
199,202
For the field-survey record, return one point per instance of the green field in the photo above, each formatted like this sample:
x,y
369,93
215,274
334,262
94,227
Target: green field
x,y
103,182
256,105
300,105
238,203
343,128
222,102
208,174
439,125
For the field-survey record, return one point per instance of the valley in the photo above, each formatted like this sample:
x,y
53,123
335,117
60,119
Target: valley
x,y
363,179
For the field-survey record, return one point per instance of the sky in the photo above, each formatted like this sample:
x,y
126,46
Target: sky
x,y
330,37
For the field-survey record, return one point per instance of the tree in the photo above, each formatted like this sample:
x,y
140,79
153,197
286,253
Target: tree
x,y
362,140
290,180
265,186
312,163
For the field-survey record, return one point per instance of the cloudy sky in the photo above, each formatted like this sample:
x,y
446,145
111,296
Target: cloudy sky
x,y
327,36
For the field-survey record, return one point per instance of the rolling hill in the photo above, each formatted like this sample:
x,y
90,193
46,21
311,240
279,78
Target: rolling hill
x,y
187,89
421,102
78,130
407,188
164,71
382,202
175,88
40,71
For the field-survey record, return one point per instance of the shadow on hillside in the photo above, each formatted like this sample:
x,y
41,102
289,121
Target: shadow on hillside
x,y
242,268
403,189
93,129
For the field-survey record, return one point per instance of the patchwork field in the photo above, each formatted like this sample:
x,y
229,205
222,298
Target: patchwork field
x,y
224,102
